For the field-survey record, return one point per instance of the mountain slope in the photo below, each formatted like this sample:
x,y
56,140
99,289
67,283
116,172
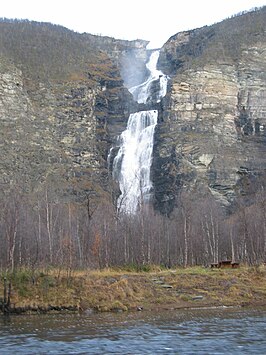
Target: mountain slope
x,y
62,103
213,121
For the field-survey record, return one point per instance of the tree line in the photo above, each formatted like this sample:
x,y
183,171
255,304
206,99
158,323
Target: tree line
x,y
45,231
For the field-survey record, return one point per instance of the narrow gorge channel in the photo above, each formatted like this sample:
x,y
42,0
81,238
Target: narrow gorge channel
x,y
131,166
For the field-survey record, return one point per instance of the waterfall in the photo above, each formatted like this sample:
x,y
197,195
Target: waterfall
x,y
133,160
141,92
131,166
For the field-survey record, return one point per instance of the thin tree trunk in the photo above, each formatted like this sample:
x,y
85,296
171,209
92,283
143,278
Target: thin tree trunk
x,y
48,226
13,243
232,247
185,240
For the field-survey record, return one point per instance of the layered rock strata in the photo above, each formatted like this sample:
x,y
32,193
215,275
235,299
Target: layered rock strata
x,y
62,106
212,126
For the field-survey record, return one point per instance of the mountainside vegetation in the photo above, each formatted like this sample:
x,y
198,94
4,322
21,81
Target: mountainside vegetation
x,y
47,52
221,43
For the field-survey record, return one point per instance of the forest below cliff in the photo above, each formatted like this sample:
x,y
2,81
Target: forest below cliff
x,y
38,230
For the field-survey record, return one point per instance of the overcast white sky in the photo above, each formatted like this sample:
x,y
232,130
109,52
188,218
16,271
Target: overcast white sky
x,y
153,20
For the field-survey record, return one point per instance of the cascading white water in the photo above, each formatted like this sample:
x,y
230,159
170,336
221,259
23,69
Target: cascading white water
x,y
135,156
132,164
142,91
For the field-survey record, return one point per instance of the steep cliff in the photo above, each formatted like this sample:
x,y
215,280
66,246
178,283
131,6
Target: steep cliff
x,y
129,56
64,101
212,130
62,105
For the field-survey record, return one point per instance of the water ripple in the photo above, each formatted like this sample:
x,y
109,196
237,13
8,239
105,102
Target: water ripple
x,y
181,332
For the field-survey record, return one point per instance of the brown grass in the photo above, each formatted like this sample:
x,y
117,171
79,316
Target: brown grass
x,y
112,290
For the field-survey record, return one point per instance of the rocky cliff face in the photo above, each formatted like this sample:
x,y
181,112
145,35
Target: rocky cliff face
x,y
212,130
129,56
64,101
62,105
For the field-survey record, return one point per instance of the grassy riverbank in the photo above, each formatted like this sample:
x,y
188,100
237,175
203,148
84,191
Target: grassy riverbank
x,y
121,290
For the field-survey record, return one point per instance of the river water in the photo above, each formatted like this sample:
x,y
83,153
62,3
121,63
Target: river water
x,y
217,331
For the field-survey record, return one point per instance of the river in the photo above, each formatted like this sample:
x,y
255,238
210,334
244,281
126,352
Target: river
x,y
208,331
